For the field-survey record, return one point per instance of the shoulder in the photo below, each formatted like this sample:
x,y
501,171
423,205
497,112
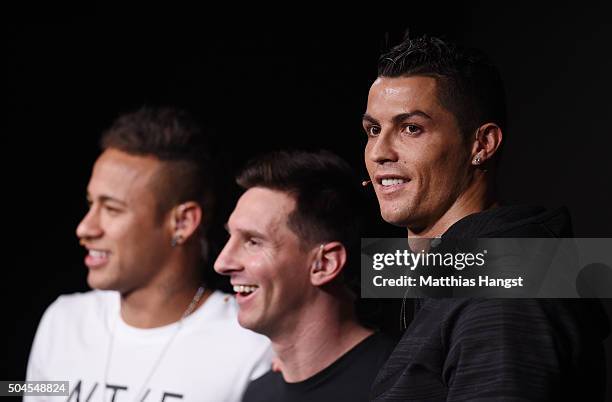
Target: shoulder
x,y
76,307
85,300
525,323
265,388
70,318
92,301
221,306
269,379
376,347
512,309
505,321
220,314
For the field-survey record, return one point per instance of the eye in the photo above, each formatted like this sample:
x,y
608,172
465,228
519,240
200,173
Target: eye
x,y
252,242
111,210
412,129
372,131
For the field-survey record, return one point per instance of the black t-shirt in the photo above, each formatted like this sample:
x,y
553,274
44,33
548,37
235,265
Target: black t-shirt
x,y
347,379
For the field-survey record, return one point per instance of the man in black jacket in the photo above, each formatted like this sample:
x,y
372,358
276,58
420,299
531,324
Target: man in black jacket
x,y
435,120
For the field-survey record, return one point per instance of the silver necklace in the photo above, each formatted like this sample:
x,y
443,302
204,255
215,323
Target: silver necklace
x,y
189,310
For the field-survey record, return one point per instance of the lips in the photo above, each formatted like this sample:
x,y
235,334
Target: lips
x,y
244,292
245,288
96,258
390,183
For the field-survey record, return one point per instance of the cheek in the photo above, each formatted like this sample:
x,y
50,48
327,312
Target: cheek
x,y
447,173
288,276
119,228
147,251
419,161
261,267
429,170
147,240
366,156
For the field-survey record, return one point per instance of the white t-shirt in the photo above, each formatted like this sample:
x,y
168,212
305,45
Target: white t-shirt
x,y
210,357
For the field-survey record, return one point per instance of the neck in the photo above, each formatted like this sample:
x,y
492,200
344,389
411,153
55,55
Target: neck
x,y
306,349
476,198
165,299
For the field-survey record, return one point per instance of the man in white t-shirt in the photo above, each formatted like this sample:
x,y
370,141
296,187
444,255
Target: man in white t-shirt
x,y
150,331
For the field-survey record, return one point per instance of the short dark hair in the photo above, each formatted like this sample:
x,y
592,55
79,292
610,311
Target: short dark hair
x,y
469,85
327,197
173,137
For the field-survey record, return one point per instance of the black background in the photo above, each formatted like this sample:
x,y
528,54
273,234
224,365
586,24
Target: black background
x,y
298,80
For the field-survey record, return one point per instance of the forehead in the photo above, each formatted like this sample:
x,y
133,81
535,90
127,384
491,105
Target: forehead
x,y
262,210
403,95
123,176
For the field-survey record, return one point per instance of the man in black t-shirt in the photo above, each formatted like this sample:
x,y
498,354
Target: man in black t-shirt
x,y
292,252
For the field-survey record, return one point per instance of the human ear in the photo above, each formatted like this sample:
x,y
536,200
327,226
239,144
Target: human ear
x,y
487,142
330,259
186,219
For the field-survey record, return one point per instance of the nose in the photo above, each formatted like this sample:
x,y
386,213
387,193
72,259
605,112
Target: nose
x,y
228,260
89,227
382,148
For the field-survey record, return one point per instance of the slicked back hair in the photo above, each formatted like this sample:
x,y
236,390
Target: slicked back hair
x,y
468,85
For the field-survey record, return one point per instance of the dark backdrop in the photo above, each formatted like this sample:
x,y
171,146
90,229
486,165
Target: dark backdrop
x,y
276,83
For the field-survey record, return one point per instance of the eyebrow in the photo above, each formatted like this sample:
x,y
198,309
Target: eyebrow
x,y
369,118
246,232
398,118
107,198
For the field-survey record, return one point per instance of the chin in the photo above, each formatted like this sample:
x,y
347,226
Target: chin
x,y
97,281
395,218
255,325
246,323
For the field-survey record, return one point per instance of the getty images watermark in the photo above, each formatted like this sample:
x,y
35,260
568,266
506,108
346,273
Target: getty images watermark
x,y
515,268
405,259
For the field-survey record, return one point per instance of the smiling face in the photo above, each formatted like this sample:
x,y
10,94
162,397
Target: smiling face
x,y
416,156
268,268
127,242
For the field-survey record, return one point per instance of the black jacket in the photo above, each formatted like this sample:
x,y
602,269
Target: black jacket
x,y
500,349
